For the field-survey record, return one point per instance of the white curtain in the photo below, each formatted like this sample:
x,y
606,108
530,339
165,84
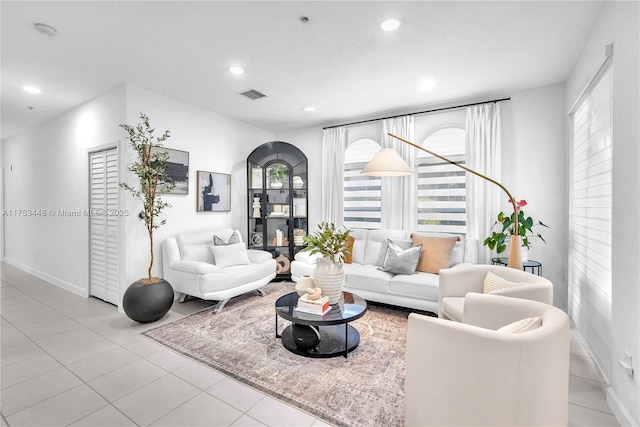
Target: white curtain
x,y
334,143
483,156
399,195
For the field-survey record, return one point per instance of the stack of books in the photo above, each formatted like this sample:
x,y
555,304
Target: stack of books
x,y
318,306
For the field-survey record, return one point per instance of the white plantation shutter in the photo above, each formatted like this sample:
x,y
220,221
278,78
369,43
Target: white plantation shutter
x,y
590,218
441,185
362,194
103,203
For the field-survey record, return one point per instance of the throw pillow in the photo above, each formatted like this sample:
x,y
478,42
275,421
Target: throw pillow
x,y
436,252
228,255
521,326
233,239
493,282
404,244
349,258
401,261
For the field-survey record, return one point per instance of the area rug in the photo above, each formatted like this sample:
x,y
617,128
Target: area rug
x,y
365,389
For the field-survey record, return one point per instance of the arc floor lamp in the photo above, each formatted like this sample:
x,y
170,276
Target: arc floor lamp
x,y
387,162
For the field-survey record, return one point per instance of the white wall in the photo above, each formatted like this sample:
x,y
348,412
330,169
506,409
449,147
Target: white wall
x,y
618,24
46,169
215,144
533,130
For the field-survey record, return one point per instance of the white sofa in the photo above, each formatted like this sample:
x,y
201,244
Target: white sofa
x,y
189,265
472,374
418,291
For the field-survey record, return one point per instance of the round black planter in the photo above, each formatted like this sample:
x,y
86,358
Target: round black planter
x,y
147,303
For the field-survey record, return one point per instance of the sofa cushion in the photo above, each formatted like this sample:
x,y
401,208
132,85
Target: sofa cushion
x,y
367,277
422,286
377,240
228,255
234,276
452,307
401,261
359,244
436,252
348,259
194,245
458,251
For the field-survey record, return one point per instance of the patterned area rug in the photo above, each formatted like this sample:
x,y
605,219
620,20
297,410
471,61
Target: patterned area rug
x,y
366,389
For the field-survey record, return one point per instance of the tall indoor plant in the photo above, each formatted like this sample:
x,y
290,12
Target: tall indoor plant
x,y
149,298
328,273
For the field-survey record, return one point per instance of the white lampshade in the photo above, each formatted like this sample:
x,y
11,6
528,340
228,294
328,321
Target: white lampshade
x,y
387,162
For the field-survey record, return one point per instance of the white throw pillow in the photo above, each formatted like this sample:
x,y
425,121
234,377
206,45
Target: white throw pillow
x,y
493,282
521,326
228,255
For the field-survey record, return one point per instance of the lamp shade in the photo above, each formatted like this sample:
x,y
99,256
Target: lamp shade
x,y
387,162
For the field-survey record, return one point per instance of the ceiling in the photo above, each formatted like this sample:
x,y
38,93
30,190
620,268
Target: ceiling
x,y
339,61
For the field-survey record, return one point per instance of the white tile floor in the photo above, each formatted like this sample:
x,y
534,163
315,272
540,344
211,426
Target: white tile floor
x,y
72,361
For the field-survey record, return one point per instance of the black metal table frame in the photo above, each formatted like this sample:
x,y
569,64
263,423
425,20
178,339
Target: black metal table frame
x,y
535,266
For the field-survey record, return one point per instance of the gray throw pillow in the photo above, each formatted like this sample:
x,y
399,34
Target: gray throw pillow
x,y
401,261
234,238
404,244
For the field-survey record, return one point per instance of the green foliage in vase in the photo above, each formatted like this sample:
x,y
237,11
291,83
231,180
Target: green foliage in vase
x,y
499,239
278,173
150,168
328,241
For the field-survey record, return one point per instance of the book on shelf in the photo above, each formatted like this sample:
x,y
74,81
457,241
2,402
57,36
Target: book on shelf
x,y
319,306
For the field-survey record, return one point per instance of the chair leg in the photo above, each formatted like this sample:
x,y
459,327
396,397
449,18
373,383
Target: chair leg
x,y
219,306
183,297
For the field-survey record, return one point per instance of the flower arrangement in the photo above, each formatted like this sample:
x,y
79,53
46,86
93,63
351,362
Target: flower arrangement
x,y
278,173
498,240
328,241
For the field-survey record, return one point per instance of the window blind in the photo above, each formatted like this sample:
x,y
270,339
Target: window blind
x,y
362,194
590,218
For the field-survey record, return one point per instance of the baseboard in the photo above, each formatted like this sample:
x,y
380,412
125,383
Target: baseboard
x,y
621,413
49,278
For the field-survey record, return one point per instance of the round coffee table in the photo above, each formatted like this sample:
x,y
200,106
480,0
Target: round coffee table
x,y
336,336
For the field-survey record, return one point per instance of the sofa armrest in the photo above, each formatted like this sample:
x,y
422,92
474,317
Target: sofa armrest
x,y
257,256
307,258
193,267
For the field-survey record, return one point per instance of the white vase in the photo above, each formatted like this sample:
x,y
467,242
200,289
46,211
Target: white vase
x,y
304,282
297,182
276,184
330,278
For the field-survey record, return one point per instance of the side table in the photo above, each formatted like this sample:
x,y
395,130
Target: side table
x,y
535,266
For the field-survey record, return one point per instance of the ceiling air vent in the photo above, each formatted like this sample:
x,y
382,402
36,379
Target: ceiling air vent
x,y
253,94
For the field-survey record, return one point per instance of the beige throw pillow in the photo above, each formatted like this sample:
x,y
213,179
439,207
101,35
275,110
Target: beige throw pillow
x,y
521,326
494,282
436,252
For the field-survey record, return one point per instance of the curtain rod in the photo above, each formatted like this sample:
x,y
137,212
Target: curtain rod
x,y
420,112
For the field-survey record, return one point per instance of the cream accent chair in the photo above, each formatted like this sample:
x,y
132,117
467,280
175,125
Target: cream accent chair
x,y
471,374
465,278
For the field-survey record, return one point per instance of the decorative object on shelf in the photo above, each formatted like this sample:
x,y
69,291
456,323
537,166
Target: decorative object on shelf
x,y
148,299
214,192
256,177
256,238
256,207
328,274
305,336
283,265
297,182
300,206
387,162
298,236
516,224
304,282
277,175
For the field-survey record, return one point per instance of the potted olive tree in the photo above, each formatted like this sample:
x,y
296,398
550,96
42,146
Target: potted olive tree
x,y
150,298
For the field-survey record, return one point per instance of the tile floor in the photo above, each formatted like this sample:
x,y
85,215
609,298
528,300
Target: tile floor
x,y
73,361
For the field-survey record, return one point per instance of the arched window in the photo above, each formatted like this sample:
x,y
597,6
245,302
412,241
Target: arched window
x,y
361,193
441,185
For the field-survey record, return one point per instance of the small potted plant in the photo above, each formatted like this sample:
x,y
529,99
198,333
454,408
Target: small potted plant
x,y
277,176
150,298
499,239
328,273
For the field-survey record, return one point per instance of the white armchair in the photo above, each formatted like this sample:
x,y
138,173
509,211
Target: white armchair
x,y
471,374
456,283
195,266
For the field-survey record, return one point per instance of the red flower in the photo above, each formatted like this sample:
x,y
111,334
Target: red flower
x,y
522,203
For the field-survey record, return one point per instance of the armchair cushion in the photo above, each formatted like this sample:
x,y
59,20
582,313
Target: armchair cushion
x,y
234,238
493,283
452,307
230,254
195,267
520,326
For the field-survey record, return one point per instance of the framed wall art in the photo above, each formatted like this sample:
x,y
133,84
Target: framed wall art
x,y
214,192
177,169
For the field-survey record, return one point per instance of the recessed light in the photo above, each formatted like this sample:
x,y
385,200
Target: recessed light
x,y
390,24
236,70
31,89
427,84
309,109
